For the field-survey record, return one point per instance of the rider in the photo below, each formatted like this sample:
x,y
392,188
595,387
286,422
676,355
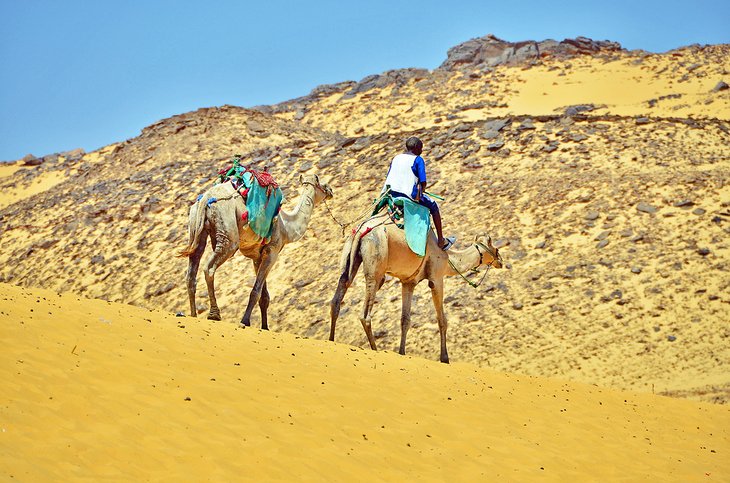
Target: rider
x,y
407,178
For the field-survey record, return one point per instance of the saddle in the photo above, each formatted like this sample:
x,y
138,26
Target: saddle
x,y
408,215
260,193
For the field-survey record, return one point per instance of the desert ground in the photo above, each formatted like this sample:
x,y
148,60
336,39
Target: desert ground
x,y
99,390
599,352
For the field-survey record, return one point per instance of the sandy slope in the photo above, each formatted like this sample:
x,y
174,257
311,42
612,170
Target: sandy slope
x,y
98,390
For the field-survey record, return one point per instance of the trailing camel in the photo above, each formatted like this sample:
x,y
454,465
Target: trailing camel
x,y
224,222
381,248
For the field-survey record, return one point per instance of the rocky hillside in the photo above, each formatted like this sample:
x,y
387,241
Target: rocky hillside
x,y
604,173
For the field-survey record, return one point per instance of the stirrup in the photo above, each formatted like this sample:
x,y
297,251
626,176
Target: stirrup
x,y
449,242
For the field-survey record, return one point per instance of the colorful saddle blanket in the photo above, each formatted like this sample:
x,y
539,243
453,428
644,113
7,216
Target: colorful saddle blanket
x,y
260,192
410,216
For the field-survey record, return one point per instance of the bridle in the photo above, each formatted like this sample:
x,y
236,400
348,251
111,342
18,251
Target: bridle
x,y
477,245
495,257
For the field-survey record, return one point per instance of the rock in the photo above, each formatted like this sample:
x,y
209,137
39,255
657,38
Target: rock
x,y
573,110
643,120
646,207
159,291
703,251
576,138
398,77
151,205
254,126
495,125
527,124
361,144
489,134
489,51
699,211
303,283
30,160
74,154
45,244
496,146
517,306
602,244
671,338
683,203
721,86
636,270
603,235
592,215
347,142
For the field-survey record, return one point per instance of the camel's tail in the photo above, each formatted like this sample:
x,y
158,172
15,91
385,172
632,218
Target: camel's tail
x,y
195,226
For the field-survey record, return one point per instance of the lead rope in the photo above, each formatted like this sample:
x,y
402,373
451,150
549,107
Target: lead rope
x,y
473,270
359,217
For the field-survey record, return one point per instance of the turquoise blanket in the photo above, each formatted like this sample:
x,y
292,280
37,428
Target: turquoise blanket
x,y
417,224
261,208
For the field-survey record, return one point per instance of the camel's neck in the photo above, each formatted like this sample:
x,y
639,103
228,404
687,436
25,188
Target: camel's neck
x,y
464,260
294,223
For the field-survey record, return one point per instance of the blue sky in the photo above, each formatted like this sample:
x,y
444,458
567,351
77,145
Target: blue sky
x,y
90,73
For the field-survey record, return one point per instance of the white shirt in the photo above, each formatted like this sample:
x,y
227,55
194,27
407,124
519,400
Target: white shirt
x,y
400,175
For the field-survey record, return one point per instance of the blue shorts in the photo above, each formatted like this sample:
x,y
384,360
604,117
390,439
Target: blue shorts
x,y
425,201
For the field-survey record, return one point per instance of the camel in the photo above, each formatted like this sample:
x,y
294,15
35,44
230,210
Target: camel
x,y
222,222
382,249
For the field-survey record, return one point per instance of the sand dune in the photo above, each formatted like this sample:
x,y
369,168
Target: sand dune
x,y
97,390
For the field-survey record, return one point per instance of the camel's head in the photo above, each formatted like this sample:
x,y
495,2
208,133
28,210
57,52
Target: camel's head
x,y
489,253
322,191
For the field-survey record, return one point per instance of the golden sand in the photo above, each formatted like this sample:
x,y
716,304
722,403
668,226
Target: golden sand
x,y
39,185
96,390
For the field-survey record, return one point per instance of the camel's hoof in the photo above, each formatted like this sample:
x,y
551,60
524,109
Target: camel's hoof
x,y
445,361
214,316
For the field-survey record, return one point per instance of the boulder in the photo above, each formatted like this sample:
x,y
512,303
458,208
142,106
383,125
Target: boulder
x,y
30,160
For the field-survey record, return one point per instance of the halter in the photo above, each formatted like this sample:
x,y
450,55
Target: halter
x,y
476,269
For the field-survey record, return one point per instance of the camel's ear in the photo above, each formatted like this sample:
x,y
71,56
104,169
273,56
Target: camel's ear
x,y
489,242
316,180
301,178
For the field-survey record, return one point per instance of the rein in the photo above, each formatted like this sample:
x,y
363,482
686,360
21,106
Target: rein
x,y
475,269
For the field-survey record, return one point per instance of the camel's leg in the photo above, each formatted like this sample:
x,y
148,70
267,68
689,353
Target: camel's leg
x,y
192,274
264,306
267,261
437,294
263,300
371,288
405,318
224,249
342,285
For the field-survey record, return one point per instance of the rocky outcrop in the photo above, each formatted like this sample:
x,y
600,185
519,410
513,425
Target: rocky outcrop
x,y
489,51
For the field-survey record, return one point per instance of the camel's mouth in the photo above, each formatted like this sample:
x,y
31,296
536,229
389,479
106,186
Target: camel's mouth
x,y
328,193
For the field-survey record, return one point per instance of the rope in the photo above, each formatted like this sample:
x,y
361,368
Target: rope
x,y
361,215
473,270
